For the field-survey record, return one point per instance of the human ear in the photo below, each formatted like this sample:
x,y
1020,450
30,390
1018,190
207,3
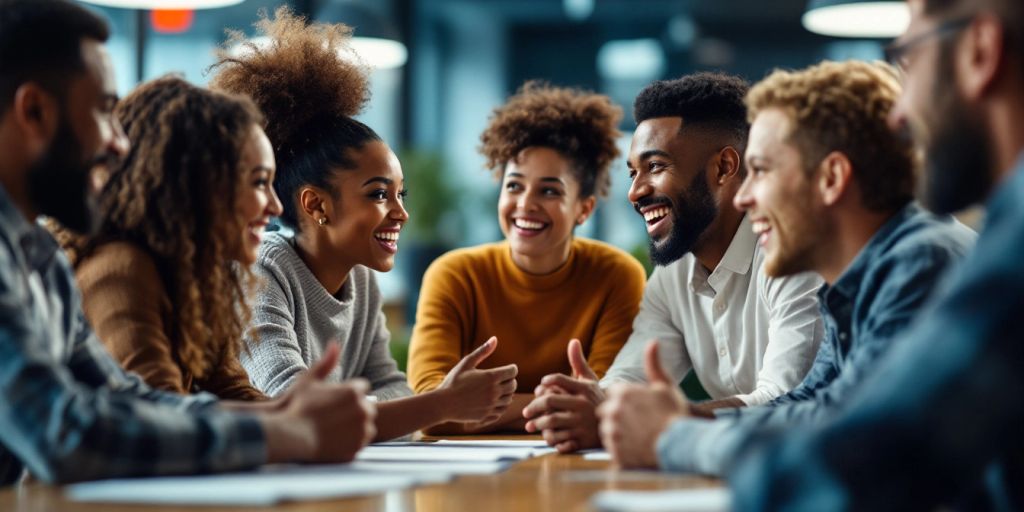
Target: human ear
x,y
728,164
834,175
585,207
314,204
980,55
37,114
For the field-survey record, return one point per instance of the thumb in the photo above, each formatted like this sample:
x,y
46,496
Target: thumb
x,y
652,365
477,356
328,361
580,368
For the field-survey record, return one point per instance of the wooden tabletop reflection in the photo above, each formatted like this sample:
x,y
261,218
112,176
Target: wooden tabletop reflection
x,y
551,483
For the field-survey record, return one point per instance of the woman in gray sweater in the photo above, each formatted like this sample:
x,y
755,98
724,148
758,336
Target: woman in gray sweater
x,y
342,191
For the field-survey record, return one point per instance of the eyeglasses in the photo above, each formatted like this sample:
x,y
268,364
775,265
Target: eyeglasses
x,y
896,53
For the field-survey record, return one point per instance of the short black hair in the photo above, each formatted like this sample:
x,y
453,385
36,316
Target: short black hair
x,y
706,99
41,41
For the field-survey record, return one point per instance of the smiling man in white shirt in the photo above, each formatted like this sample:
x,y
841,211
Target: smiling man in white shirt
x,y
749,338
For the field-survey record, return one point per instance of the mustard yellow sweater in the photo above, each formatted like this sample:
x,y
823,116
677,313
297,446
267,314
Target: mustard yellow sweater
x,y
469,295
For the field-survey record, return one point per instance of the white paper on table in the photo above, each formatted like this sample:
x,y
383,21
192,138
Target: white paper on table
x,y
426,452
597,455
429,470
248,489
688,500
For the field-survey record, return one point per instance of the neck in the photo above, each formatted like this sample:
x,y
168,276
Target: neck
x,y
13,179
710,248
545,263
326,267
848,234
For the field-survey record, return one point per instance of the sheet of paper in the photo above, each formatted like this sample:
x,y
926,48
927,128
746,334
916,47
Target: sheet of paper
x,y
426,452
597,455
432,469
245,489
685,500
496,443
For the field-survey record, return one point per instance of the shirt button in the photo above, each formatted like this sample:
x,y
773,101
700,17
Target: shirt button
x,y
842,336
720,307
722,352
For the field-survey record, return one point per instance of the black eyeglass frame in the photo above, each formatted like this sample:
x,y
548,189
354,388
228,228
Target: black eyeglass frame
x,y
896,53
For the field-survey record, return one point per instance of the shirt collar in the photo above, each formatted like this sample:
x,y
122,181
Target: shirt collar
x,y
849,281
35,243
736,260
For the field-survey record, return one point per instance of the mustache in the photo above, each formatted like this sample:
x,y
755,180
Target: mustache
x,y
651,201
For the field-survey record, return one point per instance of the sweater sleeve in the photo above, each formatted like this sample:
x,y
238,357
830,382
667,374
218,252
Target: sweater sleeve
x,y
386,381
125,302
621,305
441,325
230,381
272,355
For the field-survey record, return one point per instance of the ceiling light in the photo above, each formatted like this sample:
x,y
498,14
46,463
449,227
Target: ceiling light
x,y
164,4
857,18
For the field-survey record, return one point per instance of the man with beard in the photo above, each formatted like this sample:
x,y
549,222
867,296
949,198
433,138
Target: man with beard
x,y
939,423
829,190
748,338
67,411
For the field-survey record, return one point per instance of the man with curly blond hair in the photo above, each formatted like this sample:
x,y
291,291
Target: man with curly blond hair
x,y
828,190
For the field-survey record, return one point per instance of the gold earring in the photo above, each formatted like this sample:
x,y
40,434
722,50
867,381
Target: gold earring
x,y
322,221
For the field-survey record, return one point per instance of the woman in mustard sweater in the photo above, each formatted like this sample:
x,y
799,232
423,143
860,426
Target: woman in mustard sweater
x,y
542,286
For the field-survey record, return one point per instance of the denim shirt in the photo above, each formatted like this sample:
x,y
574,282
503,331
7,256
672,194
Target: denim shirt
x,y
67,411
940,422
872,303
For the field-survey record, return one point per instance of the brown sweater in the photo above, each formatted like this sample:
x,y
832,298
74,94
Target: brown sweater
x,y
469,295
127,305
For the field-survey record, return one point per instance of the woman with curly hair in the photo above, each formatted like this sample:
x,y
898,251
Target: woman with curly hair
x,y
343,191
164,278
542,286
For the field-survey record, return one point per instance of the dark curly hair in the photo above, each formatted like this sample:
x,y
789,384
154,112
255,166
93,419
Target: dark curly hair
x,y
174,196
579,125
309,83
706,100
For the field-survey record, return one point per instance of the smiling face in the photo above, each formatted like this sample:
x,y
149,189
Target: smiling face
x,y
257,202
364,219
539,207
778,195
670,188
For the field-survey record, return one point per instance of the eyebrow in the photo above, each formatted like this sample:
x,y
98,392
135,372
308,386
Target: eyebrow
x,y
551,179
653,152
260,168
378,179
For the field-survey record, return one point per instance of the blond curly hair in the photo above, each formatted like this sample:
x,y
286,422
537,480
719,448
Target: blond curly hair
x,y
843,106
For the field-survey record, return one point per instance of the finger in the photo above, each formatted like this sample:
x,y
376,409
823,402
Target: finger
x,y
549,404
580,368
556,421
359,385
568,384
542,390
477,356
652,365
328,361
568,446
504,373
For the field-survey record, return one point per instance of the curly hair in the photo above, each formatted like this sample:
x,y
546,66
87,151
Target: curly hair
x,y
579,125
174,195
309,83
843,106
707,100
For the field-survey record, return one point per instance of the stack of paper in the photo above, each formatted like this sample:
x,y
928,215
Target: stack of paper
x,y
688,500
450,451
250,489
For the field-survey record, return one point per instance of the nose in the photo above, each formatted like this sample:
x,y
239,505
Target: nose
x,y
526,201
398,212
274,207
639,189
744,199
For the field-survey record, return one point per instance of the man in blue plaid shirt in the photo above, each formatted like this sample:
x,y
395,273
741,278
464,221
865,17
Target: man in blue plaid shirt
x,y
67,411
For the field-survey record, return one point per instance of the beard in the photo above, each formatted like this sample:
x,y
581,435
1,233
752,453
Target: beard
x,y
692,212
959,165
59,183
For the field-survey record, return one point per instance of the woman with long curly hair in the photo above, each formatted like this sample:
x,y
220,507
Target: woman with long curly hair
x,y
164,278
342,189
541,287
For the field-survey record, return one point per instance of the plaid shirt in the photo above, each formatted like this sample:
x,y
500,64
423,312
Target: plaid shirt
x,y
67,410
940,421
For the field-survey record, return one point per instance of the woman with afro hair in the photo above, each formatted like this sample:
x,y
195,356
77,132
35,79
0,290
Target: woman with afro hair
x,y
163,279
342,191
548,296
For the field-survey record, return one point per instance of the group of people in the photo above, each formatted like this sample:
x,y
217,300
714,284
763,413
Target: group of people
x,y
857,345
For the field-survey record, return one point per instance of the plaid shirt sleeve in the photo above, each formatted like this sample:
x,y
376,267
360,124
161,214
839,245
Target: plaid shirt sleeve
x,y
79,417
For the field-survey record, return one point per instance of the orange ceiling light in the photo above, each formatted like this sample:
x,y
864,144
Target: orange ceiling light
x,y
171,21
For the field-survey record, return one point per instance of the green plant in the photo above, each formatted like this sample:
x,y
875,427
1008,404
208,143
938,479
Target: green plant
x,y
432,199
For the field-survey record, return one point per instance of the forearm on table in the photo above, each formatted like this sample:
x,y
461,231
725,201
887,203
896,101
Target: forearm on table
x,y
396,418
511,419
705,409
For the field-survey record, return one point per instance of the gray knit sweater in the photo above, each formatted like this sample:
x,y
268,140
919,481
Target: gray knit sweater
x,y
294,317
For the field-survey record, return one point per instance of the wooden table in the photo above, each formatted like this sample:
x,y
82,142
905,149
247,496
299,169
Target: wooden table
x,y
551,483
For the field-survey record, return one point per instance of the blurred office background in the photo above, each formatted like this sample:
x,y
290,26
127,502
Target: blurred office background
x,y
462,58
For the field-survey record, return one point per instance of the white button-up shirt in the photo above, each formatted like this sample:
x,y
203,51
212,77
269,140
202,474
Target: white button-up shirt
x,y
745,335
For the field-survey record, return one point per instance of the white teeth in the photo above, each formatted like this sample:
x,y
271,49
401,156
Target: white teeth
x,y
388,236
528,224
655,214
759,226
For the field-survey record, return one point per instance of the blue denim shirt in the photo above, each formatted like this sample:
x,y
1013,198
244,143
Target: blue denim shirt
x,y
865,310
940,423
67,410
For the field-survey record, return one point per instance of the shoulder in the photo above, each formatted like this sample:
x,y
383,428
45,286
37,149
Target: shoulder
x,y
483,259
924,233
119,259
607,259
